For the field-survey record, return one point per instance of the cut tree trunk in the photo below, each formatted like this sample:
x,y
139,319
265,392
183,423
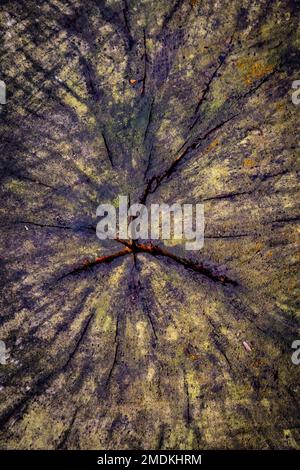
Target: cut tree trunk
x,y
122,345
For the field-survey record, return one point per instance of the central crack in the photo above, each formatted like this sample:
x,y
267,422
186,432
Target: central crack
x,y
134,247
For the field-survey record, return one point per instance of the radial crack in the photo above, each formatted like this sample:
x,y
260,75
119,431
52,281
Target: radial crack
x,y
187,412
31,180
156,181
126,22
149,120
155,250
109,155
61,227
67,432
114,363
145,57
80,339
177,5
86,265
89,75
206,90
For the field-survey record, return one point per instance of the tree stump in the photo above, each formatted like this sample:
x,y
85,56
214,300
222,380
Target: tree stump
x,y
143,346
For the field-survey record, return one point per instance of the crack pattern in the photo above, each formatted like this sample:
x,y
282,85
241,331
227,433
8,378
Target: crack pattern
x,y
170,99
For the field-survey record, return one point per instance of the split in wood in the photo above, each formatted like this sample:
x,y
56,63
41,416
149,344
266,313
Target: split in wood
x,y
134,247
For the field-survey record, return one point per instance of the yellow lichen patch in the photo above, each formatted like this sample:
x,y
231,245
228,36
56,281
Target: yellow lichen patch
x,y
142,336
73,80
171,333
80,107
266,404
216,176
239,391
103,320
193,383
180,437
290,439
86,169
174,242
150,373
15,186
42,428
213,424
218,97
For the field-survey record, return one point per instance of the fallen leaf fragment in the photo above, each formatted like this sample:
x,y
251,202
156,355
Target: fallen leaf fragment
x,y
247,346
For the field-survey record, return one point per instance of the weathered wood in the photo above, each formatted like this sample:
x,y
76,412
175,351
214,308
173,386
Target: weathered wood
x,y
141,346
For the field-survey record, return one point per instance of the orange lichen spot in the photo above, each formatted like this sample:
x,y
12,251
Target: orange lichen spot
x,y
257,363
280,106
258,247
249,163
252,72
132,81
194,357
212,145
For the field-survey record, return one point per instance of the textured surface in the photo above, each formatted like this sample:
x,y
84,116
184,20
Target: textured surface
x,y
186,101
